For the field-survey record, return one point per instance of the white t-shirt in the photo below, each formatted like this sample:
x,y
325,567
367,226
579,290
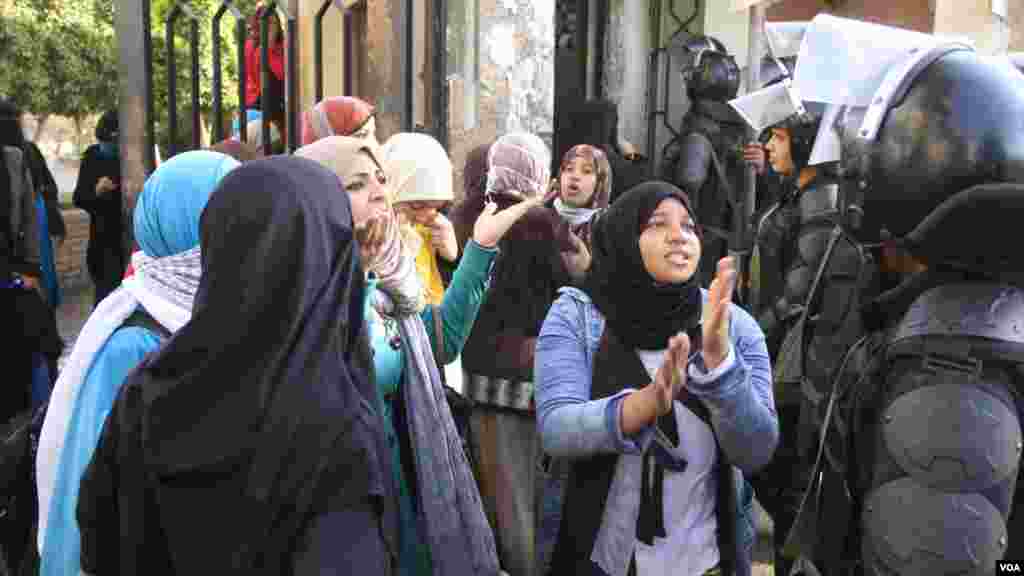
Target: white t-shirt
x,y
690,547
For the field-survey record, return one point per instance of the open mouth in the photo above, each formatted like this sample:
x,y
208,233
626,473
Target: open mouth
x,y
677,258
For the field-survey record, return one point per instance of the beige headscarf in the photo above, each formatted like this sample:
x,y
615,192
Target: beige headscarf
x,y
393,263
418,168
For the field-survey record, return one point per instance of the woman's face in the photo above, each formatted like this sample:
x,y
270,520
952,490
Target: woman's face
x,y
669,244
578,179
366,187
780,152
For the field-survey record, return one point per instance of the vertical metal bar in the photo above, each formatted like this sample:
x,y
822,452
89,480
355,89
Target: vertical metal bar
x,y
292,83
318,49
408,65
349,48
582,44
197,126
652,85
265,73
172,85
149,155
241,32
745,225
439,94
218,81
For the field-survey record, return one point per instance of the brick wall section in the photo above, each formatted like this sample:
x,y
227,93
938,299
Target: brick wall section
x,y
912,14
71,256
1016,26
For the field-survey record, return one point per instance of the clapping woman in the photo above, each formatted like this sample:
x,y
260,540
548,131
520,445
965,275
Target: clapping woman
x,y
657,389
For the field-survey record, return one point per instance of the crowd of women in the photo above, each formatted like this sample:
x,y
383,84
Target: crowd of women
x,y
320,363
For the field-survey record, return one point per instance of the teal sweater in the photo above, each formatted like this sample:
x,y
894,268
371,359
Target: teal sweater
x,y
458,310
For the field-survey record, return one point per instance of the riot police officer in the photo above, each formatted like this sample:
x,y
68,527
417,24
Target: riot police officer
x,y
706,158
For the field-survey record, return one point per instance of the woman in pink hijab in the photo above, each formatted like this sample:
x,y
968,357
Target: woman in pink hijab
x,y
339,116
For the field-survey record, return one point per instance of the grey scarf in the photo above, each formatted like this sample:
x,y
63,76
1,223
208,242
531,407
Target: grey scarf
x,y
453,521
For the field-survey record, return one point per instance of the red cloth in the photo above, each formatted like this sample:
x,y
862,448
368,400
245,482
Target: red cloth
x,y
253,75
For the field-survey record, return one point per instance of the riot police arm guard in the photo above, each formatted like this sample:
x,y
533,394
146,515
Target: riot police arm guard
x,y
694,165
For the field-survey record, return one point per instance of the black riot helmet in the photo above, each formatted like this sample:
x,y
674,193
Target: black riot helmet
x,y
803,129
709,71
775,70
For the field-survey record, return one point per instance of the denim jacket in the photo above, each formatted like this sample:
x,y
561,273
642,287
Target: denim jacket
x,y
738,394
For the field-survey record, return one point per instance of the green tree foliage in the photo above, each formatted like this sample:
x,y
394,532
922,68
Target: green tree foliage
x,y
204,10
56,59
65,54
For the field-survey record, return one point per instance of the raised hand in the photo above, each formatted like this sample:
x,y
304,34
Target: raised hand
x,y
491,225
716,314
442,237
370,236
754,154
577,260
670,379
104,185
642,408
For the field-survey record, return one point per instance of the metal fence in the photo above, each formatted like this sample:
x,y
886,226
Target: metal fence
x,y
181,10
183,20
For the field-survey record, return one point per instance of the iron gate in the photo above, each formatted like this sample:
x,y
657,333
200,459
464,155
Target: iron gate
x,y
183,11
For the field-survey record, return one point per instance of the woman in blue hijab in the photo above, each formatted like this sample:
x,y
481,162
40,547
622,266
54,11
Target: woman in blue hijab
x,y
154,302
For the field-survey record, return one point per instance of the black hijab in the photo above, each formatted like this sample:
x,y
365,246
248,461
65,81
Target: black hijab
x,y
253,414
642,313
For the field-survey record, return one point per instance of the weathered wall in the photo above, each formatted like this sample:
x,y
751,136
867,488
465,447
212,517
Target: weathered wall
x,y
912,14
975,20
1016,15
70,256
626,52
516,75
516,92
333,52
517,44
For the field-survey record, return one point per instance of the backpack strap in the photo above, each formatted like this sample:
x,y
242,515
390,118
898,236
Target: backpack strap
x,y
438,339
140,318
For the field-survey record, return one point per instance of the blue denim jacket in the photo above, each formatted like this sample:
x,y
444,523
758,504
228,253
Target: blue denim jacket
x,y
738,395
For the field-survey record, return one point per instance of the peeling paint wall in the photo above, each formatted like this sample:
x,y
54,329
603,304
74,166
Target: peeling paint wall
x,y
518,43
625,68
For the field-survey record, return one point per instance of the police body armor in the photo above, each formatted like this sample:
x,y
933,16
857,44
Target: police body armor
x,y
806,335
911,436
705,157
705,160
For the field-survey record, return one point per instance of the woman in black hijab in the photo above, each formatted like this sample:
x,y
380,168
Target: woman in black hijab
x,y
657,389
98,192
252,443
